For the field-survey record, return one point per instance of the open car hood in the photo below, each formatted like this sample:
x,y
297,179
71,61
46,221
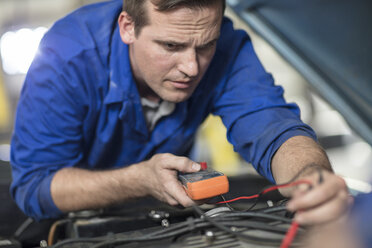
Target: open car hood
x,y
328,42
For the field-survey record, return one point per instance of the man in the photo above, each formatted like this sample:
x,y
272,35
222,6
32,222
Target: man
x,y
109,110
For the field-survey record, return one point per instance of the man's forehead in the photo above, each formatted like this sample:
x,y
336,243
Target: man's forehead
x,y
172,4
190,10
185,34
201,18
185,41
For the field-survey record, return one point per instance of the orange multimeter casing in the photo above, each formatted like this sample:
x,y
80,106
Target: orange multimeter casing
x,y
204,184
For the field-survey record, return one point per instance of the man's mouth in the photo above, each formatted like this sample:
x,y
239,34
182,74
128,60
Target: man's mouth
x,y
181,84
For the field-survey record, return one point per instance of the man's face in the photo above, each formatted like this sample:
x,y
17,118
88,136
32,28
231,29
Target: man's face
x,y
171,54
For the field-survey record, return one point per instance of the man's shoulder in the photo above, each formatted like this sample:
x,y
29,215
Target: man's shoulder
x,y
229,34
231,42
88,27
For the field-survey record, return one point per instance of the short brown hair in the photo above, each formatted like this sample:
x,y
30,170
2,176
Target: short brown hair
x,y
137,11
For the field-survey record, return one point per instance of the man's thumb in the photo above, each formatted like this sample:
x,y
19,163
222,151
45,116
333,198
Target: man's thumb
x,y
195,167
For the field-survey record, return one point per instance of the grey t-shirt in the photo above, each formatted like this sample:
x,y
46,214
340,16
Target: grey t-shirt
x,y
153,111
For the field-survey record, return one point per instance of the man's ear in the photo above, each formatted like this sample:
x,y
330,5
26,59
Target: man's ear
x,y
126,27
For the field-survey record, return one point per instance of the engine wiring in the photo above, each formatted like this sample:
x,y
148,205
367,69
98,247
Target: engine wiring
x,y
223,222
235,223
292,231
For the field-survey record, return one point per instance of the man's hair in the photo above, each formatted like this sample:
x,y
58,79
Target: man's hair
x,y
137,11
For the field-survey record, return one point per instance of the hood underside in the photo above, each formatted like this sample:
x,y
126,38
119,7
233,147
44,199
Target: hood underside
x,y
328,42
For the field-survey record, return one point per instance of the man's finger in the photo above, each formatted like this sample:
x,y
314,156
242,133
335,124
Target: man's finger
x,y
176,190
317,195
188,166
170,200
181,164
328,211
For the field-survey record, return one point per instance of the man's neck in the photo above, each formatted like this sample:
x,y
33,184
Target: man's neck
x,y
149,96
146,92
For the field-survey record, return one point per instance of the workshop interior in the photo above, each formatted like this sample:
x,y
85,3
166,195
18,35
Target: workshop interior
x,y
305,46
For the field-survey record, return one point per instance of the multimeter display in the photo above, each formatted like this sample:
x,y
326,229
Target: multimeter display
x,y
204,184
198,176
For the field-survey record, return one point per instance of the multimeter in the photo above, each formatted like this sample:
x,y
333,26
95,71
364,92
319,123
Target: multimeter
x,y
205,183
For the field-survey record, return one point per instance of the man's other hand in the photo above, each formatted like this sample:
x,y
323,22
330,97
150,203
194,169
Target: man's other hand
x,y
161,179
327,200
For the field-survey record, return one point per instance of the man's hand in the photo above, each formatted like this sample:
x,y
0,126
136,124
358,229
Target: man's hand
x,y
162,182
75,189
327,200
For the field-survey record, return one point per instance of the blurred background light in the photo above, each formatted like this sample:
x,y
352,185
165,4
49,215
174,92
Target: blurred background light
x,y
19,48
4,152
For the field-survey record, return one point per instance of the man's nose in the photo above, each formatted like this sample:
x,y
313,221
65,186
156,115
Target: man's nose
x,y
189,64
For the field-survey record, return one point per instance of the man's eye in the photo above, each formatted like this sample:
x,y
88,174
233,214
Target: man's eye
x,y
170,46
209,45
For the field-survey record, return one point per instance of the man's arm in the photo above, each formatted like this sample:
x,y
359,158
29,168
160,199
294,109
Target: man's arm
x,y
328,198
294,155
76,189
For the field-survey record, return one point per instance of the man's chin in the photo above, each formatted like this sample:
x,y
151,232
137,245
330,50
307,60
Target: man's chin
x,y
176,98
176,95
